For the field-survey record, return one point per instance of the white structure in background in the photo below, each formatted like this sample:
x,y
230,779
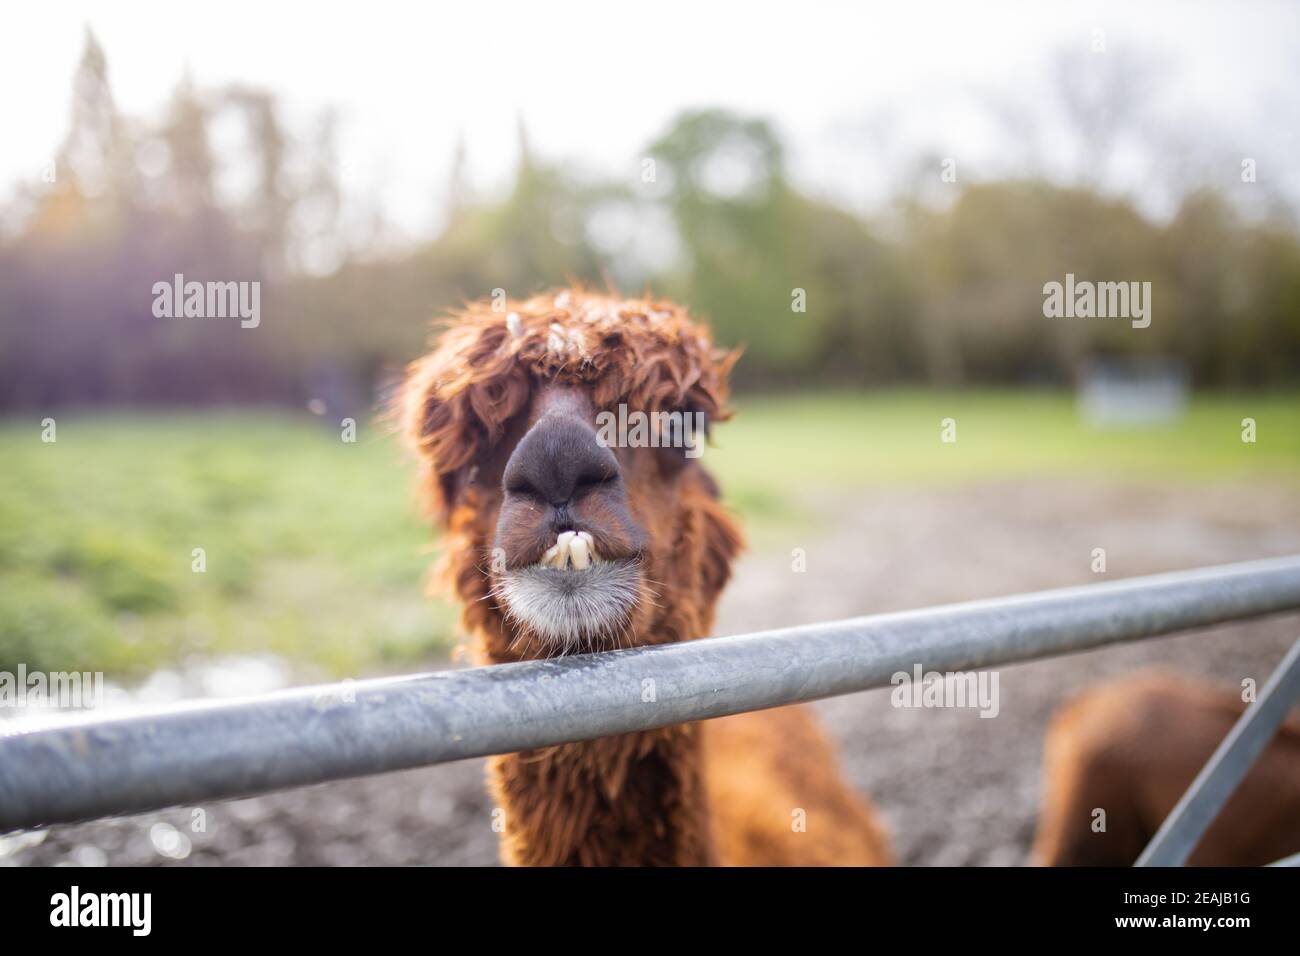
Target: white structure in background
x,y
1134,393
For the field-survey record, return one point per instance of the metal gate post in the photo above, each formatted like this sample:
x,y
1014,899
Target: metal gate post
x,y
1218,779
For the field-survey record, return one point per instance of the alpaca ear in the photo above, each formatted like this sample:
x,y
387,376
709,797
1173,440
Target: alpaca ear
x,y
431,428
710,485
457,432
722,543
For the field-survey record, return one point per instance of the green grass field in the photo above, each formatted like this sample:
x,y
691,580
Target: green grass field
x,y
854,441
314,550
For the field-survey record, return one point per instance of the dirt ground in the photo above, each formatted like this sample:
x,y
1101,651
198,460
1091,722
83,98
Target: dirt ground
x,y
954,788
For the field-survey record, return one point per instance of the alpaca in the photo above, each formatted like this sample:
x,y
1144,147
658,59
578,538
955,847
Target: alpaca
x,y
555,542
1132,748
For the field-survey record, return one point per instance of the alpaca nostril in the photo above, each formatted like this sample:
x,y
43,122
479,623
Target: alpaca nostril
x,y
557,462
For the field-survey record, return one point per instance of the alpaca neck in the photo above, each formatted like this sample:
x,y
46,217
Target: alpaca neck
x,y
627,800
635,799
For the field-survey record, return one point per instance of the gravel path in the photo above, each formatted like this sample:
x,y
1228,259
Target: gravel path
x,y
954,788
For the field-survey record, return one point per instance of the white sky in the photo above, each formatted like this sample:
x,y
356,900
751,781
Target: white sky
x,y
853,87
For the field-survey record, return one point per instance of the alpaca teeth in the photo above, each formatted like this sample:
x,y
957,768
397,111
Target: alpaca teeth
x,y
578,554
561,549
574,549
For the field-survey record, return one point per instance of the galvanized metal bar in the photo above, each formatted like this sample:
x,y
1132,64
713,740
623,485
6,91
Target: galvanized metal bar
x,y
209,751
1219,778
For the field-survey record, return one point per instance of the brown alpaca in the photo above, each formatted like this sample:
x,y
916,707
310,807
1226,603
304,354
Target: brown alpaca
x,y
503,415
1132,748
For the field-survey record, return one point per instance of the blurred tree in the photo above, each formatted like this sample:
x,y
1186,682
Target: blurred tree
x,y
800,283
271,202
191,166
96,157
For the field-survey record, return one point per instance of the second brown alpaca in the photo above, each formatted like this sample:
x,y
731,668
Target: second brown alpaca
x,y
1131,748
502,416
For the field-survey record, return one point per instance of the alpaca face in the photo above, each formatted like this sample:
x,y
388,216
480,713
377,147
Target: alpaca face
x,y
583,534
568,551
558,539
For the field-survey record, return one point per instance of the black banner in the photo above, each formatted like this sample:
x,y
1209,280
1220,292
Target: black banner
x,y
335,906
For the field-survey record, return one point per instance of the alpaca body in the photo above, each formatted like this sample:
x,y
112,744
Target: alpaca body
x,y
631,800
760,789
1132,748
779,798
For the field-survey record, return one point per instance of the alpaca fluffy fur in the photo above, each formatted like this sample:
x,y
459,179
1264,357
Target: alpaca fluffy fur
x,y
690,794
647,354
1133,746
459,400
571,612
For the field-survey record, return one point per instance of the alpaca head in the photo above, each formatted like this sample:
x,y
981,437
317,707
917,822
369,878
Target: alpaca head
x,y
559,439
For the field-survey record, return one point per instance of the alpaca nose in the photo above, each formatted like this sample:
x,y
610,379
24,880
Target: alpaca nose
x,y
557,461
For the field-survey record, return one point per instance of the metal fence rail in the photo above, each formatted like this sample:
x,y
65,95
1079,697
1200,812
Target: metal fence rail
x,y
181,755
